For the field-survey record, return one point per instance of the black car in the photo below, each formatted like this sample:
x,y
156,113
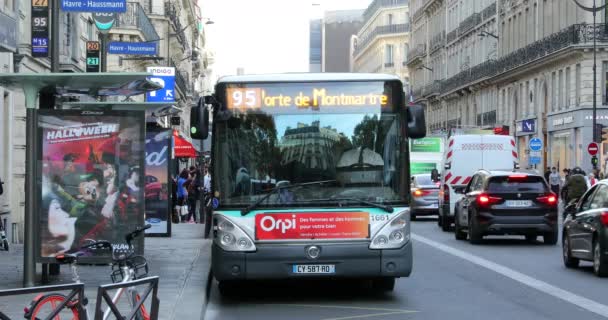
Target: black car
x,y
585,234
507,202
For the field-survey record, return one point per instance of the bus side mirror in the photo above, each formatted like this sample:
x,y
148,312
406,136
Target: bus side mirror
x,y
416,127
199,121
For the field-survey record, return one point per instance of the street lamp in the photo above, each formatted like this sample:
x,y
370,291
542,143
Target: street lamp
x,y
425,67
595,9
486,33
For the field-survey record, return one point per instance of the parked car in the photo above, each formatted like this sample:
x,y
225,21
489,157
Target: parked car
x,y
464,155
507,203
585,230
425,193
153,188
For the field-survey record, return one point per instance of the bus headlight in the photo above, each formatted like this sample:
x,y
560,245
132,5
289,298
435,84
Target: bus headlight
x,y
230,237
394,234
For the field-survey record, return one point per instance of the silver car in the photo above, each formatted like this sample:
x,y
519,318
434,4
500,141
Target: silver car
x,y
425,193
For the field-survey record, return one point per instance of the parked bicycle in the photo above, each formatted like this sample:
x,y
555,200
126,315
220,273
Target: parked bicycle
x,y
126,267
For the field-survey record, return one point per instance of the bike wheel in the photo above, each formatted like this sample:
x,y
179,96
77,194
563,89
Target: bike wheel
x,y
47,304
142,313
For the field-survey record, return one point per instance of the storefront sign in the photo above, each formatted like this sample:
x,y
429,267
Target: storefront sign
x,y
156,190
8,33
563,121
40,28
316,225
91,181
425,145
526,126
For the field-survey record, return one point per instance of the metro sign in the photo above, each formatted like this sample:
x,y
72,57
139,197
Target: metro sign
x,y
593,148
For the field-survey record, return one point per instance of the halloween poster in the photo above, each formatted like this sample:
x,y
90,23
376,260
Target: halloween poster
x,y
91,177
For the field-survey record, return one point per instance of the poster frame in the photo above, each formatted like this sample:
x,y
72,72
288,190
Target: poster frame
x,y
169,184
140,117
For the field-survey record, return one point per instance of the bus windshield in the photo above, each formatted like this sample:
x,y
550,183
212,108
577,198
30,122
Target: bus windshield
x,y
354,153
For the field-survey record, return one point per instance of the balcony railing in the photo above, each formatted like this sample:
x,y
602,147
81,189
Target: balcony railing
x,y
452,35
172,14
578,34
488,12
136,18
437,41
377,4
469,23
378,31
182,80
416,52
418,14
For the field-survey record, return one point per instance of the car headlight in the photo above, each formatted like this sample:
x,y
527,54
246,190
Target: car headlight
x,y
394,234
229,236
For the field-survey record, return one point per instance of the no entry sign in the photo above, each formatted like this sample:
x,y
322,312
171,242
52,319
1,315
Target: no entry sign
x,y
593,148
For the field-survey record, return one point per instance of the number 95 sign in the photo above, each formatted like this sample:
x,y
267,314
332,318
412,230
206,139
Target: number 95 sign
x,y
244,98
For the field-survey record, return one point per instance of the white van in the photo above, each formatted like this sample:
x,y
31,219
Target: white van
x,y
464,155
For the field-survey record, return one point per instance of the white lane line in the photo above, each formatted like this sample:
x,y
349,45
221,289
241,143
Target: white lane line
x,y
339,307
367,316
582,302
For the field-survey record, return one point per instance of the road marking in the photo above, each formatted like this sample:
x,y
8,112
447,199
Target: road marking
x,y
582,302
341,307
368,315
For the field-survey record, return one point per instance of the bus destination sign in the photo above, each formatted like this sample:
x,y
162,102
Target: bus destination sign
x,y
303,97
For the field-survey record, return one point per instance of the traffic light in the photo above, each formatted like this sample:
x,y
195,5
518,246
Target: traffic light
x,y
598,134
594,161
199,121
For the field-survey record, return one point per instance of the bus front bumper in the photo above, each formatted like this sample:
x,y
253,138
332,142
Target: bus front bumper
x,y
275,261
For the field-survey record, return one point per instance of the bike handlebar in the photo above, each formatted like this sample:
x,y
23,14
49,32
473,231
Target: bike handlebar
x,y
101,244
133,234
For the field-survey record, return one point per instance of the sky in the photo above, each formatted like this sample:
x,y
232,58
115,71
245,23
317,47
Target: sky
x,y
264,36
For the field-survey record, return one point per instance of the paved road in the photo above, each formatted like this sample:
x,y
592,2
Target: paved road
x,y
502,279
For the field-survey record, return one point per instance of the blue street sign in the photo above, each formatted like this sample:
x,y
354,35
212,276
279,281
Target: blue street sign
x,y
534,157
148,48
535,144
94,5
164,76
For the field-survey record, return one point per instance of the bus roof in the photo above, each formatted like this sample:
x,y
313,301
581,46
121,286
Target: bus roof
x,y
307,77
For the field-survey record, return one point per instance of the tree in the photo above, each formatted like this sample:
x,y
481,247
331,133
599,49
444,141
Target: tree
x,y
368,134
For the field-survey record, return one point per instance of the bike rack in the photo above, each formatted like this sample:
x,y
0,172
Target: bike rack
x,y
77,289
102,293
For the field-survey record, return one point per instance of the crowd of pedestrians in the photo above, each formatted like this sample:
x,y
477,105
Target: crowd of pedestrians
x,y
187,189
572,183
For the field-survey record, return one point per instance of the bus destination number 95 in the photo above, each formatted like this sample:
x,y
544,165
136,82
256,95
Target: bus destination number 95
x,y
244,98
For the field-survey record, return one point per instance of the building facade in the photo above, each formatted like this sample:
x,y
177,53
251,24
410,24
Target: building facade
x,y
522,65
382,43
338,29
315,45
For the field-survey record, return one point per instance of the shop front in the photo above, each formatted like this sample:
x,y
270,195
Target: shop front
x,y
569,134
524,131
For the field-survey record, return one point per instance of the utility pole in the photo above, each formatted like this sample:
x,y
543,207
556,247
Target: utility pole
x,y
55,35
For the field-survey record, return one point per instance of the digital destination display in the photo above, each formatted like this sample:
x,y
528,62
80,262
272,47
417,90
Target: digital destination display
x,y
306,96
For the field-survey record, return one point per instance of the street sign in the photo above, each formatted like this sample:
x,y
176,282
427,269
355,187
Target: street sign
x,y
93,5
104,20
40,28
535,144
147,48
593,148
534,157
93,56
164,76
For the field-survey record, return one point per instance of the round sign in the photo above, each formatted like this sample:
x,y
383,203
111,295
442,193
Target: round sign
x,y
536,144
593,148
104,20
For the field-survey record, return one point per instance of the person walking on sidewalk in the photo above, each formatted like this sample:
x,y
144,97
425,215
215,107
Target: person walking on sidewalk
x,y
182,194
554,181
193,194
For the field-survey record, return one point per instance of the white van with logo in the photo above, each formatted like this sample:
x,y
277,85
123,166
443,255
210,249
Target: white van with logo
x,y
464,155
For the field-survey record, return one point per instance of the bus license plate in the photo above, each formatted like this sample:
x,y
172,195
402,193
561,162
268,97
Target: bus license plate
x,y
314,268
519,203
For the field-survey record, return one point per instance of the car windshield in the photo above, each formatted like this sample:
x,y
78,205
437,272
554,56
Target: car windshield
x,y
528,184
354,154
424,180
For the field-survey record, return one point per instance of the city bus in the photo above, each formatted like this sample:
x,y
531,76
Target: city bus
x,y
310,177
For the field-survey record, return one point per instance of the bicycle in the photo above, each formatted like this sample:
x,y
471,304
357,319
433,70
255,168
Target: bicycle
x,y
3,240
126,267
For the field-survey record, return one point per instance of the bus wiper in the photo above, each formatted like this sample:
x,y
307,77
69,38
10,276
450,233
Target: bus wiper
x,y
386,208
272,191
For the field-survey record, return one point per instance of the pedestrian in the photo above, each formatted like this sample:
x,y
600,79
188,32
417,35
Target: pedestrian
x,y
592,180
554,181
182,194
547,174
576,185
192,195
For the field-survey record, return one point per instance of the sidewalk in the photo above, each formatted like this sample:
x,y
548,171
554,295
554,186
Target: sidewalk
x,y
182,262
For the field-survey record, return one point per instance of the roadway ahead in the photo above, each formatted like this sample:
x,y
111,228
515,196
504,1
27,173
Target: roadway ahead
x,y
501,279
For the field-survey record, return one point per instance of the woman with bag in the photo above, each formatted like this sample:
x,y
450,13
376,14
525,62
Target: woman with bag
x,y
182,195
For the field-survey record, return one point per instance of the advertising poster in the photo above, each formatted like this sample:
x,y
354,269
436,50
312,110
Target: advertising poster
x,y
422,167
90,178
316,225
429,144
156,189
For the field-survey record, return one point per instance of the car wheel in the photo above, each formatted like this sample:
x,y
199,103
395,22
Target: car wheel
x,y
385,284
445,223
475,236
459,234
600,265
531,238
550,238
439,219
569,261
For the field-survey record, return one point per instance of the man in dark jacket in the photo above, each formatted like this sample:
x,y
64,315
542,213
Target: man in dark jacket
x,y
576,184
547,174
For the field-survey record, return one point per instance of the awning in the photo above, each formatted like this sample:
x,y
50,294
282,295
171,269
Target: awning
x,y
182,147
